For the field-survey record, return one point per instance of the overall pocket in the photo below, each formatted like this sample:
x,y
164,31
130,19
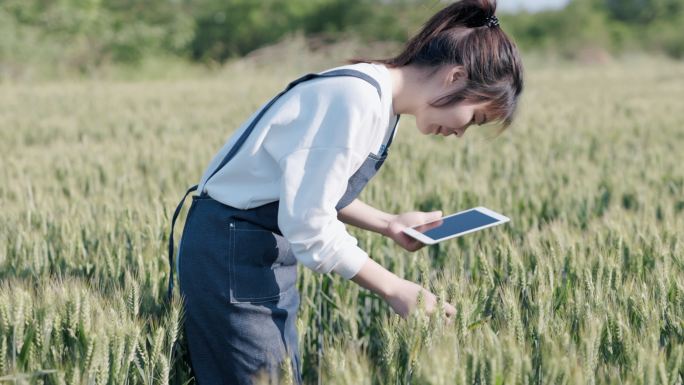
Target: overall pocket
x,y
262,266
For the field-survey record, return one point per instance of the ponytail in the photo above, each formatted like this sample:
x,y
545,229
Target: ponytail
x,y
467,33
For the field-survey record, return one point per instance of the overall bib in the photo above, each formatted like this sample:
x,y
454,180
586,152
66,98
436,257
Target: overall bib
x,y
238,276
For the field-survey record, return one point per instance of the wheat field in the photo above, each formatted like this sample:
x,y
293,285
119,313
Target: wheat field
x,y
585,285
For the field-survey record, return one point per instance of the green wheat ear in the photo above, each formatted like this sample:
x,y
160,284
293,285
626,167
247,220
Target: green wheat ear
x,y
3,355
286,371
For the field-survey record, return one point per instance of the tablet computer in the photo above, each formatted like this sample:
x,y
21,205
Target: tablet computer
x,y
455,225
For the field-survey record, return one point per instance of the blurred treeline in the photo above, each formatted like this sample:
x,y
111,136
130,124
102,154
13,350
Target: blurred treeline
x,y
86,34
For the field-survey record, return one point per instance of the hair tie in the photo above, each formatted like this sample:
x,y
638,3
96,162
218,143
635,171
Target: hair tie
x,y
491,21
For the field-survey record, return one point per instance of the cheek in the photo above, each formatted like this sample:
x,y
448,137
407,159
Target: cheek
x,y
456,119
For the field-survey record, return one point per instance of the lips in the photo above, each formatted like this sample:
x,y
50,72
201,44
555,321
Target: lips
x,y
441,130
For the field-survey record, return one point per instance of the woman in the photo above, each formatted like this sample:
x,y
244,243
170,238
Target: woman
x,y
282,187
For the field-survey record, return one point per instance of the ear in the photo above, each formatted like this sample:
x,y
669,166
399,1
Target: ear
x,y
455,74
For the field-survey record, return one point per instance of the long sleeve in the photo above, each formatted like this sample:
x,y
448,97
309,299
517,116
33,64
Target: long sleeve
x,y
314,178
313,181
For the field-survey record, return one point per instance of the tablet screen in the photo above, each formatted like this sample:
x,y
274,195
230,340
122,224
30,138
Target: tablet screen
x,y
458,223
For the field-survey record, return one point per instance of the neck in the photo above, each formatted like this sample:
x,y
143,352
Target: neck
x,y
406,81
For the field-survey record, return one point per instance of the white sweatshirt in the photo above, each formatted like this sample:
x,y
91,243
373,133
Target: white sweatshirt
x,y
302,152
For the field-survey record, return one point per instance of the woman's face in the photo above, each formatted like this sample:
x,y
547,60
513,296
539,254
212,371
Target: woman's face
x,y
449,120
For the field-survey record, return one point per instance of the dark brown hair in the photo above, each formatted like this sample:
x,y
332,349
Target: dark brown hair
x,y
463,34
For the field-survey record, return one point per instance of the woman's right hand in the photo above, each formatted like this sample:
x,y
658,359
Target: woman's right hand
x,y
400,294
403,298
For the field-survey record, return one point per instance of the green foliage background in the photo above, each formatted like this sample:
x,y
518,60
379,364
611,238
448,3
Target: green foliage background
x,y
80,36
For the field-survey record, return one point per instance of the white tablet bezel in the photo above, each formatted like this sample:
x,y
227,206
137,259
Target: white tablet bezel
x,y
430,241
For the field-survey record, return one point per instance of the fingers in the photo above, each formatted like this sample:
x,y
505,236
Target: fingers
x,y
449,309
432,219
414,245
450,312
434,215
430,305
409,243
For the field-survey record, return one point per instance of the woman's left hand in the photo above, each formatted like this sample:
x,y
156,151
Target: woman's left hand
x,y
409,219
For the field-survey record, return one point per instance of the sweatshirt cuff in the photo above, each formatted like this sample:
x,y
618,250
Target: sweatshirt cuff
x,y
351,262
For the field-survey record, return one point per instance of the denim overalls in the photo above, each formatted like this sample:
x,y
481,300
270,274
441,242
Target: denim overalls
x,y
238,277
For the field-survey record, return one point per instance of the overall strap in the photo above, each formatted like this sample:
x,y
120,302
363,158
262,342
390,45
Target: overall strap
x,y
173,224
250,128
243,138
391,137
